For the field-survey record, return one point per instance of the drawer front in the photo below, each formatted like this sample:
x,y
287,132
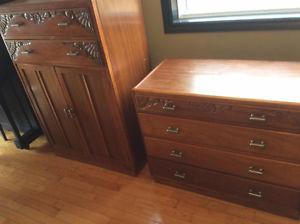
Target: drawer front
x,y
253,193
256,142
231,114
266,170
84,53
61,23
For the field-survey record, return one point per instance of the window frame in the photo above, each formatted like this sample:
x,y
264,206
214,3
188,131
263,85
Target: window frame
x,y
170,11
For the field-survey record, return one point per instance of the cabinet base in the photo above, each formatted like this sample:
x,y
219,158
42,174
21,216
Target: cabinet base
x,y
107,163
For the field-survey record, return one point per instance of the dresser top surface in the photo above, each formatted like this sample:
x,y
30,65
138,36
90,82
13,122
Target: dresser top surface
x,y
231,79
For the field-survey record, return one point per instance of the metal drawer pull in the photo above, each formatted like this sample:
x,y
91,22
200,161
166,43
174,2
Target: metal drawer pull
x,y
180,175
253,117
169,107
16,25
73,54
27,52
255,144
172,130
251,193
63,24
176,154
71,112
256,171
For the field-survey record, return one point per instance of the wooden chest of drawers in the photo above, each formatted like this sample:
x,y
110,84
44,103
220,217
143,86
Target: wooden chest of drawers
x,y
78,61
225,129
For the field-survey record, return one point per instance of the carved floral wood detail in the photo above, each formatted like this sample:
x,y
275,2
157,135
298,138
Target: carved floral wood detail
x,y
152,103
210,107
14,47
4,22
91,49
79,16
148,103
38,17
82,17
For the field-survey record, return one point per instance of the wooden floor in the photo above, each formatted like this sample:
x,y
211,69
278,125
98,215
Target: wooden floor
x,y
38,187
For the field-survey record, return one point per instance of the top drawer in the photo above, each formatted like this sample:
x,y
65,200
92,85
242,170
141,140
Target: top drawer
x,y
241,115
61,23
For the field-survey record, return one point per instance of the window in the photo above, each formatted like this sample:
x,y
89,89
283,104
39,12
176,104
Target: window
x,y
214,15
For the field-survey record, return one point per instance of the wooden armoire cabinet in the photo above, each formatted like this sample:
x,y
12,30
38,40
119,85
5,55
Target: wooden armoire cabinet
x,y
78,61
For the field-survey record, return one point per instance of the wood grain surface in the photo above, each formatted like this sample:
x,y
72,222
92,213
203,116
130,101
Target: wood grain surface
x,y
237,80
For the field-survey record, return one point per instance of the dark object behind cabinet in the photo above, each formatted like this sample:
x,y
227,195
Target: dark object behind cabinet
x,y
78,61
16,113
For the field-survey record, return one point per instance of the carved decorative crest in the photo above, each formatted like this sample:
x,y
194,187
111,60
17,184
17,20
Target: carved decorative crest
x,y
90,48
38,17
79,16
14,47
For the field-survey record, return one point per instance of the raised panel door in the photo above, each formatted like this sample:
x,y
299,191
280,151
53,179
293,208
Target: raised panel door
x,y
46,95
79,89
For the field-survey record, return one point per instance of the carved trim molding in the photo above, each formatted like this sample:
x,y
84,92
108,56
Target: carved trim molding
x,y
79,16
152,103
13,47
145,103
210,107
91,49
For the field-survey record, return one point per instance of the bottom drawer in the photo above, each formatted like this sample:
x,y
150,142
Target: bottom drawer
x,y
279,200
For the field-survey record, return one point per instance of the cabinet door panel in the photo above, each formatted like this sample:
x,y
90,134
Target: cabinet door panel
x,y
77,87
45,92
33,78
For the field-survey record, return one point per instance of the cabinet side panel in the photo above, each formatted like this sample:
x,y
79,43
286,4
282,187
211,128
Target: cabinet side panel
x,y
125,45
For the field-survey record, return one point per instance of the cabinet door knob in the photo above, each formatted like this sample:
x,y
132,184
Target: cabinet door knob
x,y
252,193
256,171
256,118
66,111
180,175
172,130
72,113
176,154
257,144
